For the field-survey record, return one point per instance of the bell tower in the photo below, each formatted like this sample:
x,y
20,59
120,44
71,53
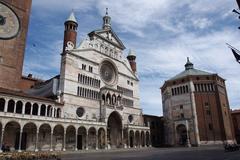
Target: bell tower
x,y
132,60
70,33
14,19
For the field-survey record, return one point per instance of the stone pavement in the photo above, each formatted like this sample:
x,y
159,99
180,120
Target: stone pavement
x,y
193,153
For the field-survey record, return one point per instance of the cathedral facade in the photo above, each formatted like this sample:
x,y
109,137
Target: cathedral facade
x,y
196,109
92,104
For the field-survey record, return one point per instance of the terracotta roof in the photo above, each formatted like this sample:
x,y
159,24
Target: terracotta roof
x,y
24,95
235,111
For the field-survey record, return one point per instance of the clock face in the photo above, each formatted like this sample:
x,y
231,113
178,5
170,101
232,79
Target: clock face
x,y
9,22
108,72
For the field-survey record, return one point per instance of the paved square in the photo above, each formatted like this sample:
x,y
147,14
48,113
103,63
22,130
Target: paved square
x,y
194,153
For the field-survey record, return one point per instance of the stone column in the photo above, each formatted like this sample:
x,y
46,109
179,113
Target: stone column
x,y
6,105
193,103
122,138
52,114
51,138
64,140
134,139
87,140
31,109
140,139
150,140
96,140
128,140
23,108
106,142
36,143
39,110
76,140
15,106
145,139
1,140
20,140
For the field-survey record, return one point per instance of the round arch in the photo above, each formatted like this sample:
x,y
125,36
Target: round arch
x,y
81,138
58,133
114,130
29,136
70,137
11,136
92,138
44,137
101,138
181,131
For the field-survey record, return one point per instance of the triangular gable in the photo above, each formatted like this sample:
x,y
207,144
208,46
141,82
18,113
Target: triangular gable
x,y
109,36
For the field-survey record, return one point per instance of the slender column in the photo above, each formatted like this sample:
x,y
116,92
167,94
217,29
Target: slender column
x,y
122,138
52,115
150,140
145,140
51,140
128,140
15,106
6,105
140,140
87,140
23,108
134,139
36,143
106,143
39,109
31,109
76,140
1,140
20,141
64,140
96,140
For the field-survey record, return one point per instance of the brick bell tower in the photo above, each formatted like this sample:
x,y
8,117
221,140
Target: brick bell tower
x,y
14,19
70,33
132,60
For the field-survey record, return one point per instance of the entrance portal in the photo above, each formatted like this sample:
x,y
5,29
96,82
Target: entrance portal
x,y
115,130
182,134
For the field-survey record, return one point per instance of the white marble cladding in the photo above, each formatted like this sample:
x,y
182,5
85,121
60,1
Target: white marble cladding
x,y
91,54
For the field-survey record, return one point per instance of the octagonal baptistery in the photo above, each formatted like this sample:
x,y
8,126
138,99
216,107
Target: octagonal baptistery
x,y
196,109
99,86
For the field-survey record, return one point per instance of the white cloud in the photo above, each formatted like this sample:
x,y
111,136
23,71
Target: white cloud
x,y
163,33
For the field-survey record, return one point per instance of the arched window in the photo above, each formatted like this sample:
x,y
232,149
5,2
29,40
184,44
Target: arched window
x,y
19,106
43,110
2,104
114,99
28,108
35,109
11,105
49,111
58,113
108,98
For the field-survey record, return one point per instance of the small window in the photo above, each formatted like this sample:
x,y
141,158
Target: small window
x,y
208,112
131,83
197,78
80,111
210,126
182,115
128,82
90,69
83,66
181,106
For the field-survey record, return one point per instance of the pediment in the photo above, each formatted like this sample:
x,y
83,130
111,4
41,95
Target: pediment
x,y
109,36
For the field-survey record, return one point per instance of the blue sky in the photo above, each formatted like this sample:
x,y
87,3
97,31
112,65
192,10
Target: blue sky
x,y
162,32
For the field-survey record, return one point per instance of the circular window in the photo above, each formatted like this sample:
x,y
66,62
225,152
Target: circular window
x,y
108,72
130,118
80,111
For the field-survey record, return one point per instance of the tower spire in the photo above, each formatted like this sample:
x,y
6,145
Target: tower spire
x,y
106,20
